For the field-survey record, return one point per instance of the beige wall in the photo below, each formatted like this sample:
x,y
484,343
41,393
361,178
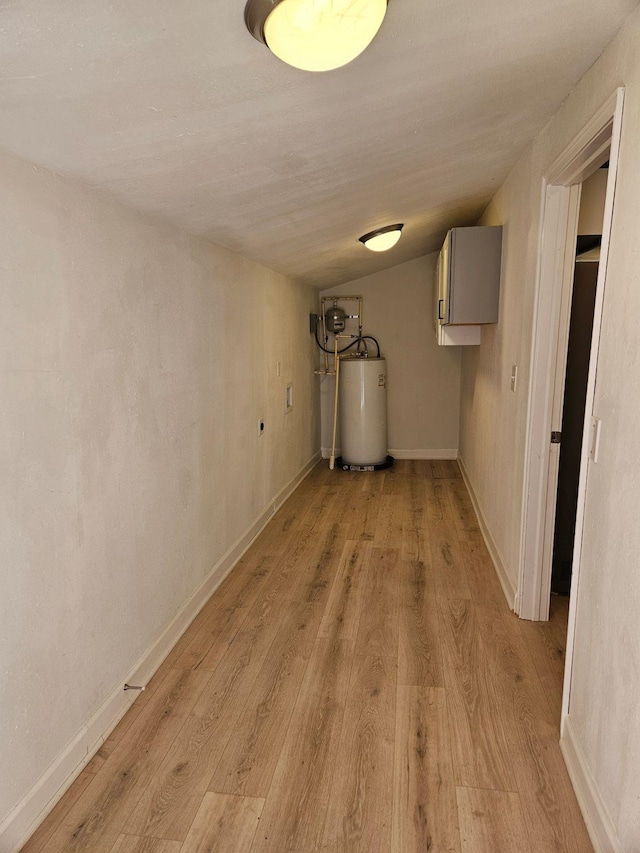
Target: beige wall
x,y
423,394
592,199
605,692
135,363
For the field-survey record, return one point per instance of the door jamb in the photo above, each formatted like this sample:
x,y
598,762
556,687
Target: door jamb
x,y
559,215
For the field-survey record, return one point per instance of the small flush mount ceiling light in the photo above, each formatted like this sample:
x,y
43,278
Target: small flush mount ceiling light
x,y
382,239
315,35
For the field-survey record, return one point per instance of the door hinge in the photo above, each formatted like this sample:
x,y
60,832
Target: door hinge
x,y
556,437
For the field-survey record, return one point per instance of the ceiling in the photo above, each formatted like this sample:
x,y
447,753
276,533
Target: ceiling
x,y
175,109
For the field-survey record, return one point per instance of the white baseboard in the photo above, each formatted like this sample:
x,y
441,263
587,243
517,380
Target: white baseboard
x,y
23,820
596,817
286,491
451,453
494,552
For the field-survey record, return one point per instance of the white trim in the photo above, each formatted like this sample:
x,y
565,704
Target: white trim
x,y
506,583
23,820
286,491
558,226
594,811
440,453
549,350
575,163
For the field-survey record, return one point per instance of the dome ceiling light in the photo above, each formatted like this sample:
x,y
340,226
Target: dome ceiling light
x,y
315,35
382,239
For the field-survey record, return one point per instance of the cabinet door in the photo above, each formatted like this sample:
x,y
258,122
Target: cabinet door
x,y
444,280
439,288
474,274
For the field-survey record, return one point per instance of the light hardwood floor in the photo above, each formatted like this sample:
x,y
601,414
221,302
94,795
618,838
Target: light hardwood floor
x,y
356,684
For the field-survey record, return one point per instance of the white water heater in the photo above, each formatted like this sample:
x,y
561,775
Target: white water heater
x,y
363,410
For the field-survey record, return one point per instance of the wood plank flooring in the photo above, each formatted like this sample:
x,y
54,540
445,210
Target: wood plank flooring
x,y
356,685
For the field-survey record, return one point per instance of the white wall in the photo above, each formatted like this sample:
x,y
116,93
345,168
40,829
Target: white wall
x,y
423,392
605,692
135,363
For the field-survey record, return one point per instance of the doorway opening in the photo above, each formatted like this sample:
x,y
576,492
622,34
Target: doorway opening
x,y
560,215
583,301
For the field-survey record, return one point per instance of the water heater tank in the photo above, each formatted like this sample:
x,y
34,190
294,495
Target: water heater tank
x,y
362,398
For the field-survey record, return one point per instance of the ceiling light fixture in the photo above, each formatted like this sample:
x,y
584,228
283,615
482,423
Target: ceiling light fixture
x,y
382,239
315,35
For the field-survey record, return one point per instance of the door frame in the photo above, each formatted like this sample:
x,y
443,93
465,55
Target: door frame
x,y
561,188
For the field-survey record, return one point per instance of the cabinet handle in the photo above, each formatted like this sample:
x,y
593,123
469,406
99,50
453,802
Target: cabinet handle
x,y
440,301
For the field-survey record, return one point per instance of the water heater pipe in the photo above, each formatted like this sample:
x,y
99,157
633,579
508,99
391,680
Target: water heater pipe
x,y
335,300
332,460
322,319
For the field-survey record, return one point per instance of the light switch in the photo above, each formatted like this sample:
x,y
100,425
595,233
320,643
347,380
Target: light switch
x,y
514,377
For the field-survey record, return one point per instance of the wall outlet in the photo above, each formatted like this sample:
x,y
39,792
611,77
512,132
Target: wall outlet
x,y
261,426
288,399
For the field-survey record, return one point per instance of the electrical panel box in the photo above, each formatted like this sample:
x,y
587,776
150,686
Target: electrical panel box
x,y
467,284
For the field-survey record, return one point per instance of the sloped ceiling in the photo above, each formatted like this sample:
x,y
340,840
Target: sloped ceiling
x,y
175,109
